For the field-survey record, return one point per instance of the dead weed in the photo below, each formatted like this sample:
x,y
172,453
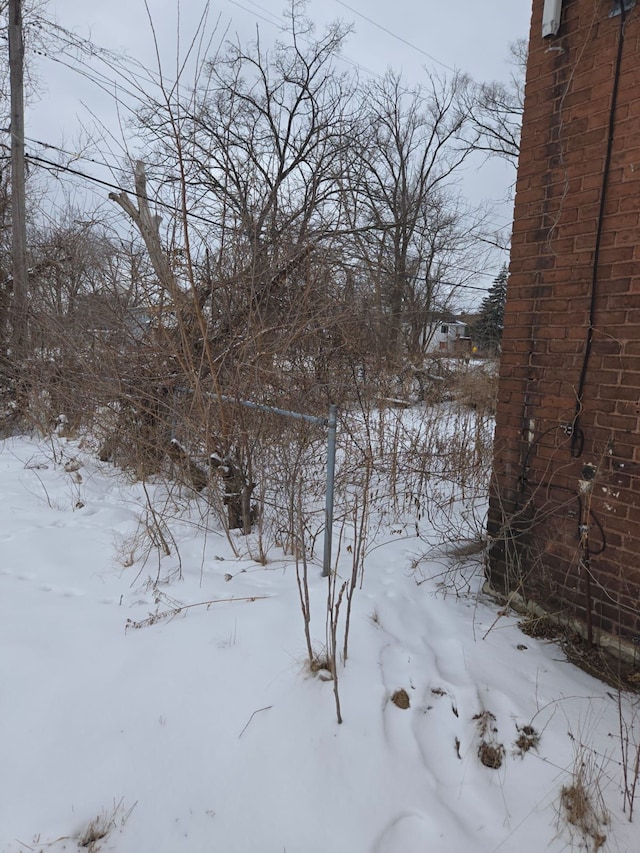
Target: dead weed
x,y
528,738
582,806
490,752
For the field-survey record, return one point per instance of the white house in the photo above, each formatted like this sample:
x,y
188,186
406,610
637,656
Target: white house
x,y
450,337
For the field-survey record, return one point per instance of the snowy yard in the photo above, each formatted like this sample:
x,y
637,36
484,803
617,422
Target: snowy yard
x,y
205,730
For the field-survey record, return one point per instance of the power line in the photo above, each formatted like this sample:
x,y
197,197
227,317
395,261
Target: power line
x,y
396,36
77,156
274,23
118,65
136,89
341,57
49,164
112,168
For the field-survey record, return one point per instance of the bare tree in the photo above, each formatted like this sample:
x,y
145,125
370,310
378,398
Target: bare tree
x,y
255,142
293,227
496,109
266,143
76,309
404,212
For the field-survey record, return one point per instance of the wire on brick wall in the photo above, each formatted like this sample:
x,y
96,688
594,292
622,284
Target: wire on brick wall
x,y
577,437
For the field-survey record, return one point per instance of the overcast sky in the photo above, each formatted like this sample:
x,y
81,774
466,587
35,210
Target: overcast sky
x,y
472,36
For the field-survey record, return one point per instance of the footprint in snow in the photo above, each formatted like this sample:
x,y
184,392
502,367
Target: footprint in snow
x,y
69,592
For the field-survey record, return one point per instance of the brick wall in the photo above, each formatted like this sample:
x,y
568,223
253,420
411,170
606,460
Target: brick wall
x,y
565,502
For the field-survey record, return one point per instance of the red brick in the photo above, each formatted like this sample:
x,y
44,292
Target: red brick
x,y
558,202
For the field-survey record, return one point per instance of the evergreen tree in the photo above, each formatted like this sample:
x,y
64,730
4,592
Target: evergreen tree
x,y
487,330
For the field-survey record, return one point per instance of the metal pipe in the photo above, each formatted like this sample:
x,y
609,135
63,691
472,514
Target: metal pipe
x,y
331,423
274,410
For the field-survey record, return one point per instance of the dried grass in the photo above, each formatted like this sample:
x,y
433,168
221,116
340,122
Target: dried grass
x,y
582,806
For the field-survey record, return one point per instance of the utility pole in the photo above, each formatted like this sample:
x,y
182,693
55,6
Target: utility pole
x,y
18,313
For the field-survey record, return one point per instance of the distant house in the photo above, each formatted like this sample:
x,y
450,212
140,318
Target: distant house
x,y
564,516
448,336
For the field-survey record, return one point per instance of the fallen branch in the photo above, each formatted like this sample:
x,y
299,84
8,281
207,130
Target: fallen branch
x,y
266,708
175,611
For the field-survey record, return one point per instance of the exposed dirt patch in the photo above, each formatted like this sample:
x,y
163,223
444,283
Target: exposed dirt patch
x,y
401,699
542,628
491,754
597,662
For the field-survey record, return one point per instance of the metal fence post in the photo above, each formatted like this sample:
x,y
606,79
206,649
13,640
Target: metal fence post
x,y
331,424
331,467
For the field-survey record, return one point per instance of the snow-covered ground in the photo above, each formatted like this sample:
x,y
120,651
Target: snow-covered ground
x,y
206,732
